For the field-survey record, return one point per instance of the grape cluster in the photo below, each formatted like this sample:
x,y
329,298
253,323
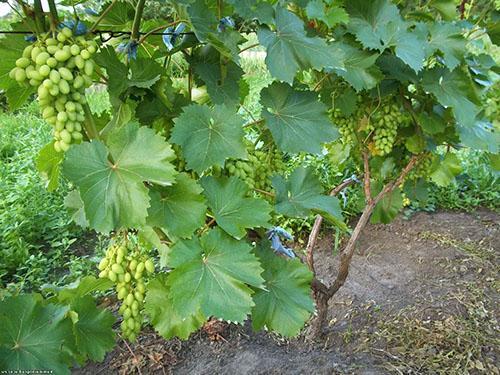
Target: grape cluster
x,y
346,125
423,168
258,169
384,125
60,68
125,265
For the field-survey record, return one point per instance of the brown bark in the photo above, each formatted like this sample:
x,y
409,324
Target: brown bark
x,y
324,293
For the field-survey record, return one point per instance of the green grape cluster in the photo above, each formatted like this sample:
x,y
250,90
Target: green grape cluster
x,y
384,125
60,68
423,168
258,169
346,125
125,265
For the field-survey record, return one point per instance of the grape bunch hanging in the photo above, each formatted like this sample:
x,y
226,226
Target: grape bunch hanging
x,y
126,265
378,123
258,169
60,67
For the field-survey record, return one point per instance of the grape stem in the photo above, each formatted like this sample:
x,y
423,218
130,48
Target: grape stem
x,y
137,19
54,17
103,14
324,293
136,361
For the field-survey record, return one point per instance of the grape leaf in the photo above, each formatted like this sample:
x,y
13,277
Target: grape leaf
x,y
444,171
213,273
32,335
144,73
286,303
113,189
373,22
297,120
163,316
119,17
17,95
388,208
331,15
378,25
12,47
456,90
93,330
81,288
148,235
116,70
290,49
254,9
48,164
302,195
73,202
222,80
447,38
360,69
178,209
232,210
208,136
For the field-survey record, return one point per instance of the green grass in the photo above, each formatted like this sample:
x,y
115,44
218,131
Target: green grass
x,y
35,229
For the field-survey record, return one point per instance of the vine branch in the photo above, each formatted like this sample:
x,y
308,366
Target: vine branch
x,y
137,20
103,14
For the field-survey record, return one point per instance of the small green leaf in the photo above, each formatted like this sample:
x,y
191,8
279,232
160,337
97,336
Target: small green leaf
x,y
163,316
445,171
208,136
254,9
297,120
232,210
33,335
330,15
447,38
431,123
388,208
285,304
73,202
111,179
302,195
48,164
178,209
116,70
148,235
17,95
93,331
81,288
144,73
213,273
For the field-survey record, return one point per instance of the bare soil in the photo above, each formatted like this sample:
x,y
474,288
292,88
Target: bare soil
x,y
421,298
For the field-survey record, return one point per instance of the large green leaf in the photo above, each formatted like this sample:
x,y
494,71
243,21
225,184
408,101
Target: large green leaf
x,y
111,179
164,318
373,22
214,273
297,120
260,10
378,25
289,49
222,79
445,171
93,329
178,209
360,69
301,195
32,335
48,164
456,90
447,38
208,136
285,304
233,211
116,70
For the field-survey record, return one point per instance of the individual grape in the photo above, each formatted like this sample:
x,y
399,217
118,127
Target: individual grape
x,y
60,67
127,266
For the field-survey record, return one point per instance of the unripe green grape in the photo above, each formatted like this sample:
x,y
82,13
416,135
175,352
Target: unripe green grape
x,y
35,51
111,275
41,58
44,70
54,76
75,49
27,51
23,62
66,32
52,50
62,55
85,54
20,75
64,87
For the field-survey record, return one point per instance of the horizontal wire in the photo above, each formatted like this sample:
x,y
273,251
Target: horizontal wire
x,y
106,32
